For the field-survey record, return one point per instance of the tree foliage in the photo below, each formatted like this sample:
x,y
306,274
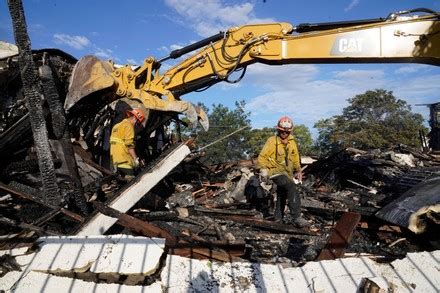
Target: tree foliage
x,y
257,139
303,139
224,121
374,119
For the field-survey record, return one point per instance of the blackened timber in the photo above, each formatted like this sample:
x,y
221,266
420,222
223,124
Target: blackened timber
x,y
18,134
264,224
22,225
81,152
47,217
205,253
157,216
340,237
20,194
223,211
52,97
136,225
410,209
69,169
31,87
128,196
177,244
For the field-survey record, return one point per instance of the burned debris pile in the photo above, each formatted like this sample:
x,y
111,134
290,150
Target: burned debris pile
x,y
206,211
351,184
67,212
203,211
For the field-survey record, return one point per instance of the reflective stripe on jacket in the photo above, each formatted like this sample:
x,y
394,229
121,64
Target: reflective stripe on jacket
x,y
122,139
279,158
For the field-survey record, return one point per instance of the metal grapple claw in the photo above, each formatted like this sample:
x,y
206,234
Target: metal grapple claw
x,y
203,118
89,75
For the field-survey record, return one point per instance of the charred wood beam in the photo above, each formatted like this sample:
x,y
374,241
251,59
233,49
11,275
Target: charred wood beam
x,y
210,250
69,169
44,219
80,152
32,92
329,212
136,225
63,144
340,237
52,98
237,205
225,212
18,134
266,225
21,225
206,253
156,216
365,211
180,245
23,195
412,209
167,216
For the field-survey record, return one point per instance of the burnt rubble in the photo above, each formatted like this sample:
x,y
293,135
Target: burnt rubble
x,y
202,211
350,198
382,204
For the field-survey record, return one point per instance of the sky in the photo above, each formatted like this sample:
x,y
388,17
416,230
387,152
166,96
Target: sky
x,y
130,31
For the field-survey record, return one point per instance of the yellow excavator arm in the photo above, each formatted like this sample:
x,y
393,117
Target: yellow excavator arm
x,y
400,38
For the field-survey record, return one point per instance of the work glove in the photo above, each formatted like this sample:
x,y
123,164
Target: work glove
x,y
298,177
264,173
142,163
265,181
136,162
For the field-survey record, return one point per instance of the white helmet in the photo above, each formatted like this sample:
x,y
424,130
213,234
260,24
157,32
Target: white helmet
x,y
285,124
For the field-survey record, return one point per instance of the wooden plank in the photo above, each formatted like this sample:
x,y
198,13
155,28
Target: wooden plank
x,y
22,225
340,237
128,197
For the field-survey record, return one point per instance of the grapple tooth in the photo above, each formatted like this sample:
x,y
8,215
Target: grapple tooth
x,y
203,118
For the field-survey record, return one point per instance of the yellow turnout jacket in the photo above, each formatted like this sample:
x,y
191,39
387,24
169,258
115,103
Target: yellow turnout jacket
x,y
278,157
122,139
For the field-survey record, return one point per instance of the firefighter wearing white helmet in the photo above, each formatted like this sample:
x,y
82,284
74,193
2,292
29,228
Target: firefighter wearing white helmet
x,y
280,159
122,144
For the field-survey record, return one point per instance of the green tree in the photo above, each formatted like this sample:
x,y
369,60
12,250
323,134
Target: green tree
x,y
224,121
257,139
303,139
374,119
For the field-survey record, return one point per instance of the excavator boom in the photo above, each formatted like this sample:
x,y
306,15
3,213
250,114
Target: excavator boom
x,y
400,38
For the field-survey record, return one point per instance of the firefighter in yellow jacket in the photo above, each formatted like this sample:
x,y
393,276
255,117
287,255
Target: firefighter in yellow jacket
x,y
280,160
122,144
